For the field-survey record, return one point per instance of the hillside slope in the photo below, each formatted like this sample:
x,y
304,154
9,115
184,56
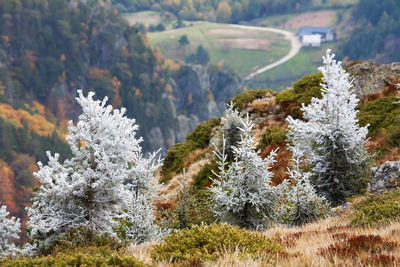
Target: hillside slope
x,y
374,84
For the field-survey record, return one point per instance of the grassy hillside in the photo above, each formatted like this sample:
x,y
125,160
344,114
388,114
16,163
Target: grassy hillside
x,y
243,50
305,62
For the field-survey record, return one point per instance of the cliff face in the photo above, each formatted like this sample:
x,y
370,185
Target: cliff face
x,y
198,93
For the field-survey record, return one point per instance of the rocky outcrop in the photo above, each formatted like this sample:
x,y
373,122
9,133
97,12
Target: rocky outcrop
x,y
200,93
385,177
370,77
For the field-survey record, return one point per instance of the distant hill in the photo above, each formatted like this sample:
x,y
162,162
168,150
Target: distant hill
x,y
224,10
376,34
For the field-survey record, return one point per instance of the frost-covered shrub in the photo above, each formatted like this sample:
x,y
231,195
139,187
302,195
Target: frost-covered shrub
x,y
9,230
95,186
302,204
330,136
242,194
208,242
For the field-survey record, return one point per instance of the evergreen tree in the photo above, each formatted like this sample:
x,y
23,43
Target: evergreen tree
x,y
9,230
231,123
330,136
93,187
139,218
242,195
302,204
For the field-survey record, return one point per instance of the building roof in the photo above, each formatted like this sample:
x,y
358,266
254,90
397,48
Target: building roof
x,y
312,38
312,30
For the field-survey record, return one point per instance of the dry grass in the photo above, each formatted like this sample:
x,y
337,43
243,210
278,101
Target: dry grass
x,y
329,242
193,164
245,43
231,32
311,19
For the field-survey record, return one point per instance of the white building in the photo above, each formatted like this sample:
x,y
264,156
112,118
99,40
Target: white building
x,y
313,40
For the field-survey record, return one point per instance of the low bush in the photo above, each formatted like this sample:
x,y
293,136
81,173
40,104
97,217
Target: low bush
x,y
381,115
272,136
82,256
79,247
241,100
303,91
202,178
199,138
81,237
377,210
208,242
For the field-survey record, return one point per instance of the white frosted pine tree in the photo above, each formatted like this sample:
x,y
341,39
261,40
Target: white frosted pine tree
x,y
93,187
231,122
330,136
302,204
9,230
139,219
242,194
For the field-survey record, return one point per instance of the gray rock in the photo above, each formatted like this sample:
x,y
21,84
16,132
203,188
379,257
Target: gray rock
x,y
370,77
385,177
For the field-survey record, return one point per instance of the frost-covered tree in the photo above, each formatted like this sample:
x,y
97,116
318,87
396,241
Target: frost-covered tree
x,y
330,136
9,230
139,219
93,187
242,194
231,122
302,204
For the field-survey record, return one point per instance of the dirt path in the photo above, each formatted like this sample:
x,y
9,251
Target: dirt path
x,y
295,44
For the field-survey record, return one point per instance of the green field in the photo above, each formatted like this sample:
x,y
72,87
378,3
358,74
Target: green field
x,y
243,50
305,62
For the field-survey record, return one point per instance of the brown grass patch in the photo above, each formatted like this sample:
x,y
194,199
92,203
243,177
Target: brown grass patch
x,y
329,242
234,32
245,43
311,19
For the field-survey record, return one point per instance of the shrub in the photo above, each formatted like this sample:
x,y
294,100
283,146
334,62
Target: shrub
x,y
202,178
381,114
272,136
176,155
241,100
377,210
303,90
81,237
83,256
208,242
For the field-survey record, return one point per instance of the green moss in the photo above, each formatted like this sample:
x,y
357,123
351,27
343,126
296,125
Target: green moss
x,y
377,210
248,96
272,136
208,242
176,155
382,115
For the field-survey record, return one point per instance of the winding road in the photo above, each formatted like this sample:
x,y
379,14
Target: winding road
x,y
295,44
